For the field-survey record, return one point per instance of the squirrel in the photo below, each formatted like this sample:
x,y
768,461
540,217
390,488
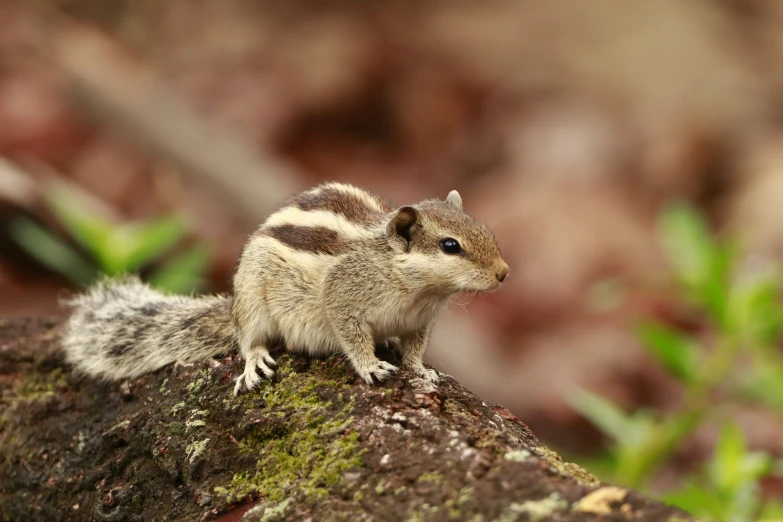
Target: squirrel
x,y
334,270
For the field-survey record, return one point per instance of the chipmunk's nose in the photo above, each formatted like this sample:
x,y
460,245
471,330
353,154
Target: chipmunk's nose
x,y
502,273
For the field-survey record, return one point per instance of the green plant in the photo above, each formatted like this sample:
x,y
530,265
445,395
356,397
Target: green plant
x,y
738,361
111,249
728,487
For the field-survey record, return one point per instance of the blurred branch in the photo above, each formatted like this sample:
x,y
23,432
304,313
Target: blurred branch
x,y
15,185
126,95
28,186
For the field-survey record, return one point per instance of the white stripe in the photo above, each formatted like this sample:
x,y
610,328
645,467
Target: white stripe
x,y
358,193
318,218
313,266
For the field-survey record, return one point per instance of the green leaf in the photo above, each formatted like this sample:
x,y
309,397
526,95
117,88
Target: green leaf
x,y
714,294
133,245
755,312
184,273
732,492
88,229
117,248
677,353
725,468
696,499
734,467
624,429
757,464
762,381
676,428
772,511
688,243
51,251
699,262
153,239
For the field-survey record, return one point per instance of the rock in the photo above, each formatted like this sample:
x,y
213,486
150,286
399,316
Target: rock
x,y
317,443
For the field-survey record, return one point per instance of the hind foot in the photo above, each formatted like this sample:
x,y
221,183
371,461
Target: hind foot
x,y
258,359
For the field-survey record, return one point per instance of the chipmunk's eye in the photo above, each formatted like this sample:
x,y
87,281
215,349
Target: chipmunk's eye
x,y
450,246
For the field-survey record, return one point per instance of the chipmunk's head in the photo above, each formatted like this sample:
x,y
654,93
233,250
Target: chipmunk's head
x,y
439,246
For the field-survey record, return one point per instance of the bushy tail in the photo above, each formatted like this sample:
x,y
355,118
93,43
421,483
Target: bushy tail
x,y
122,328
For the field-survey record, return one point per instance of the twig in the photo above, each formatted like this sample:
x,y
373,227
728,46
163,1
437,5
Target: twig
x,y
15,185
32,183
126,95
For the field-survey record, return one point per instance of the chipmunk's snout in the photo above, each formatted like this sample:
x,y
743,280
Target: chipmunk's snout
x,y
502,273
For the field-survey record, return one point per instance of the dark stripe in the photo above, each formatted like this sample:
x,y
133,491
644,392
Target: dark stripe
x,y
352,208
120,349
317,240
196,318
150,309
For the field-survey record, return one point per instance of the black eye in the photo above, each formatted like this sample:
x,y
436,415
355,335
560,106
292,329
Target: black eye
x,y
450,246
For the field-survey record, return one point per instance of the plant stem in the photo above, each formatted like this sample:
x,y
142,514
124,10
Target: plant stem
x,y
640,461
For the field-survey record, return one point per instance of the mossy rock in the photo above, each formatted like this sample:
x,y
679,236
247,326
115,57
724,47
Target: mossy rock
x,y
315,443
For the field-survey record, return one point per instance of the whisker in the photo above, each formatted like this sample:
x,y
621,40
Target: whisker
x,y
469,298
494,227
463,306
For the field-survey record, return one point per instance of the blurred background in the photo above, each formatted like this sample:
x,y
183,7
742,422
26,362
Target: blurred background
x,y
627,156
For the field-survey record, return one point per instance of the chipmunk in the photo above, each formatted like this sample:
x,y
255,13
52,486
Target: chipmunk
x,y
334,270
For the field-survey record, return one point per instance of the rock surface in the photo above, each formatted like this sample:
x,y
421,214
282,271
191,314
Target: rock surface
x,y
316,444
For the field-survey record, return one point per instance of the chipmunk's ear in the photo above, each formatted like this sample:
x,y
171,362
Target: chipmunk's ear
x,y
454,199
404,224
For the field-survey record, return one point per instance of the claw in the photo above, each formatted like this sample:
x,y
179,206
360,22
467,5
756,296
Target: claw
x,y
249,376
269,360
380,371
429,375
238,385
268,372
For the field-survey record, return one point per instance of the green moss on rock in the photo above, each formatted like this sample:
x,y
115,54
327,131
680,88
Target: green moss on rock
x,y
314,444
315,448
38,385
431,476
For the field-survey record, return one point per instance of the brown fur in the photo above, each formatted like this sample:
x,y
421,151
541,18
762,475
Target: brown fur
x,y
338,202
317,240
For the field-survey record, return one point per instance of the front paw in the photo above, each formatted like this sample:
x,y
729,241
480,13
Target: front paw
x,y
428,375
380,370
258,360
